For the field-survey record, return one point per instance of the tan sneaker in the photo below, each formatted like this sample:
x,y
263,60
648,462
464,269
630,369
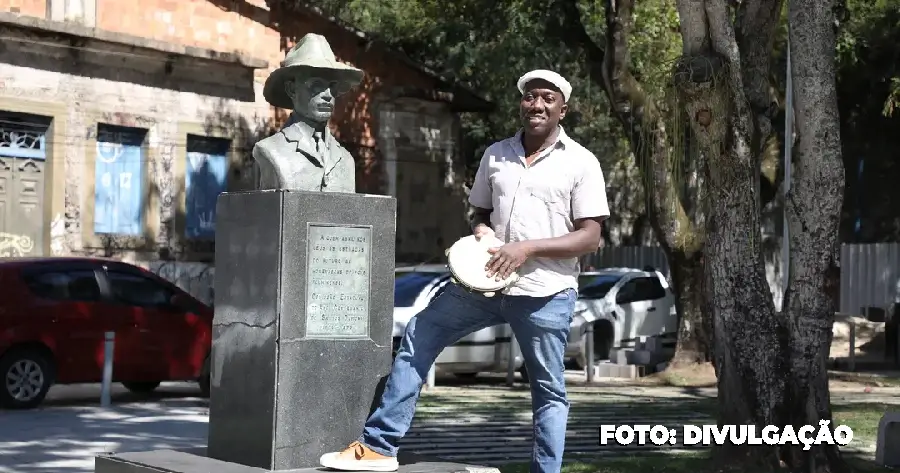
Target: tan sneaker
x,y
358,457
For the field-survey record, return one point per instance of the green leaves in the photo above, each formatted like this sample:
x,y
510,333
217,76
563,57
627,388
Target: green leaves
x,y
488,44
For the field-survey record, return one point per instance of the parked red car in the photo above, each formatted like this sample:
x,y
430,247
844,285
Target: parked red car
x,y
54,313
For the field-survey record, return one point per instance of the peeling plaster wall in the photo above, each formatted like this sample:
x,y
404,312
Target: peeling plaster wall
x,y
87,100
419,141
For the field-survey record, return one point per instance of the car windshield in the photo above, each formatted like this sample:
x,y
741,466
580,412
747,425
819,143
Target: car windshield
x,y
595,286
408,286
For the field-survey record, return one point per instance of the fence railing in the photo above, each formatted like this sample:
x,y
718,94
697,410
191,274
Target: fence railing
x,y
870,272
627,257
870,276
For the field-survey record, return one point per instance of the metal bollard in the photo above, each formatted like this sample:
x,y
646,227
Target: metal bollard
x,y
589,351
430,381
108,351
511,361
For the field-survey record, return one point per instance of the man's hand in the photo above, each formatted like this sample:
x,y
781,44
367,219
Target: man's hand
x,y
507,258
481,230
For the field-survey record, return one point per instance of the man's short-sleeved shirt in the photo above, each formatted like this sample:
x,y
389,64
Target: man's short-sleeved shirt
x,y
564,184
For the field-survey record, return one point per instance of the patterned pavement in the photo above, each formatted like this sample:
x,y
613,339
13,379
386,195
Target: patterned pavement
x,y
488,425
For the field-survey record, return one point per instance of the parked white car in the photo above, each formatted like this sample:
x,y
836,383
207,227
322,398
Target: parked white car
x,y
486,350
623,304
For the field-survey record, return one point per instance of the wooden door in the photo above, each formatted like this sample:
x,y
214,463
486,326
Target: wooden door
x,y
22,170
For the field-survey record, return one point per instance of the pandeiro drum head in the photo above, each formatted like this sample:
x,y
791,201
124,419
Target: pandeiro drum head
x,y
467,259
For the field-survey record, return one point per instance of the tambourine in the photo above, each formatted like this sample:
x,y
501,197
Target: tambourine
x,y
466,260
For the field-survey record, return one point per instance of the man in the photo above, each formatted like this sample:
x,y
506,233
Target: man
x,y
544,195
304,155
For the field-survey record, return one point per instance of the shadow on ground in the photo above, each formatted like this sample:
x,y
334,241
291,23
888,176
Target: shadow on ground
x,y
68,430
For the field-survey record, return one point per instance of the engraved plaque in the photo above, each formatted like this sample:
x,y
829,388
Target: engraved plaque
x,y
339,263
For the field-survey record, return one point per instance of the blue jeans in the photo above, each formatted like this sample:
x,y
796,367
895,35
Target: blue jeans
x,y
541,326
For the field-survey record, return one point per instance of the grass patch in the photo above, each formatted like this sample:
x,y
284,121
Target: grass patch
x,y
863,418
662,463
701,375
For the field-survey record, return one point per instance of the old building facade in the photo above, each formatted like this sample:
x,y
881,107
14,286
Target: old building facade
x,y
120,122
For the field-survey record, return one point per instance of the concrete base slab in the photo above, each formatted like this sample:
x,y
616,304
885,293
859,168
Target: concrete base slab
x,y
196,461
612,370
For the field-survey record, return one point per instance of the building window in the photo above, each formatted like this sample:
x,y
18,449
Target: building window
x,y
23,135
77,11
204,180
118,189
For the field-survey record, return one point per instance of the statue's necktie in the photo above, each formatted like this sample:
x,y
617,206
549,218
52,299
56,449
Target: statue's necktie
x,y
320,148
320,142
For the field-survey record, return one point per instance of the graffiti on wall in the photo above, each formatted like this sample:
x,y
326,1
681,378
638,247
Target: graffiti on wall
x,y
15,245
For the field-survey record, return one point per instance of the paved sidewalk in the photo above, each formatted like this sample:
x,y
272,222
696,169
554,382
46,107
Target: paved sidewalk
x,y
487,424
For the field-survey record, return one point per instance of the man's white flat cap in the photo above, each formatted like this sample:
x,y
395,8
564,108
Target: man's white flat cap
x,y
549,76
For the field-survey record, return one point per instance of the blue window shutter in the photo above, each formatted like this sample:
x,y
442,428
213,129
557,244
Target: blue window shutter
x,y
206,172
118,181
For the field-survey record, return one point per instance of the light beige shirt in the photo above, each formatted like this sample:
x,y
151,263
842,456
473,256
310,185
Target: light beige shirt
x,y
563,184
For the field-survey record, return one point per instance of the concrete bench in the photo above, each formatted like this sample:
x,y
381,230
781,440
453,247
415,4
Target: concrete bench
x,y
887,444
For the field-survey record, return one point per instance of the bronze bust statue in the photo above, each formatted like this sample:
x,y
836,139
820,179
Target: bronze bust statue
x,y
304,155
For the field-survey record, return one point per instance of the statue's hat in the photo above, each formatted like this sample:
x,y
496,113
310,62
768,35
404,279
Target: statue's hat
x,y
310,57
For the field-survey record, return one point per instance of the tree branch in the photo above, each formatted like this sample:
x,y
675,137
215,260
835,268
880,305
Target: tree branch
x,y
636,111
755,24
573,33
755,20
694,36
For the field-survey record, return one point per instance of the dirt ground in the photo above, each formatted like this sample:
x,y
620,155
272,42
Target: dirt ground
x,y
703,376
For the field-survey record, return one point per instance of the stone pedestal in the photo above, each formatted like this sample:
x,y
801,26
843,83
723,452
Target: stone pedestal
x,y
887,445
302,329
301,336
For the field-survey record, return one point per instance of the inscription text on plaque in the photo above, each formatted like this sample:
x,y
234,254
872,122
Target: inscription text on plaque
x,y
338,275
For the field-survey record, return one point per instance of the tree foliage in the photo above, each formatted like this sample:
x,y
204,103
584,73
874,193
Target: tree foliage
x,y
868,44
489,44
868,81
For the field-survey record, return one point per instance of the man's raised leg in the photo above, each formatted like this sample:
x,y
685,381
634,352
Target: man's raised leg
x,y
451,316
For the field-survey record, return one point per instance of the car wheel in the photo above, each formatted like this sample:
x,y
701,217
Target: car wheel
x,y
142,387
27,375
204,378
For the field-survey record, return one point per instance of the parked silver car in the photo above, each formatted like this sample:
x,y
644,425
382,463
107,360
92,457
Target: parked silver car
x,y
623,304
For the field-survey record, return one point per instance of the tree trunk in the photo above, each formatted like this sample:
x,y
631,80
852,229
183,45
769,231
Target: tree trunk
x,y
813,209
749,341
694,326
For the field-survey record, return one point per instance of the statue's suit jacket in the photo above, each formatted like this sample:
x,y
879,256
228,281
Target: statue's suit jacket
x,y
289,160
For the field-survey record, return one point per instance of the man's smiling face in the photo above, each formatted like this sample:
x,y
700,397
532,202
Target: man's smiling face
x,y
542,107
